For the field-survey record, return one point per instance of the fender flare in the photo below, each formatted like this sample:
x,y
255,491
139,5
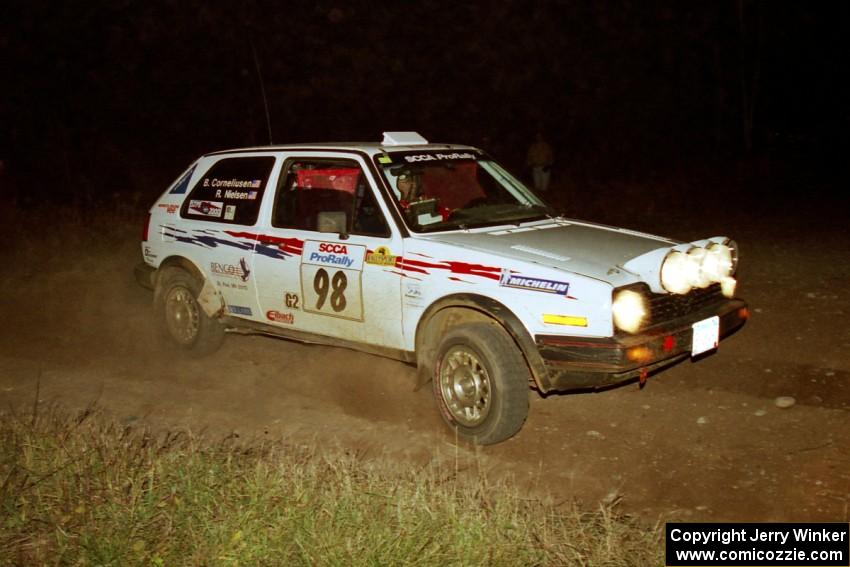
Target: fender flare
x,y
210,299
448,310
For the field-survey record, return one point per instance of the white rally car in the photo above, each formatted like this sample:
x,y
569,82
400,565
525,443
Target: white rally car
x,y
435,255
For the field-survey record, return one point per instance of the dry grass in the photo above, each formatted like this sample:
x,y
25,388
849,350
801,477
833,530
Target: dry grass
x,y
82,490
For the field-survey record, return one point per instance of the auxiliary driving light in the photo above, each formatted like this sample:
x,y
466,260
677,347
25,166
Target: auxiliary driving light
x,y
696,275
717,263
674,273
700,267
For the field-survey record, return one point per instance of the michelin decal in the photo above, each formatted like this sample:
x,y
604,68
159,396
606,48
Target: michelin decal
x,y
533,284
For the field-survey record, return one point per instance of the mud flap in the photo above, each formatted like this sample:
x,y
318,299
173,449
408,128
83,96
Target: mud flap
x,y
211,300
424,374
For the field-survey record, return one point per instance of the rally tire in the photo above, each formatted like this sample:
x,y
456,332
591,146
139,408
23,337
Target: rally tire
x,y
181,321
480,383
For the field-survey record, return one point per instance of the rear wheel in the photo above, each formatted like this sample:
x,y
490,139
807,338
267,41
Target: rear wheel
x,y
180,319
481,383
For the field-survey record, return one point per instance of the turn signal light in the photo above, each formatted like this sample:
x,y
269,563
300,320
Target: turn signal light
x,y
639,354
570,320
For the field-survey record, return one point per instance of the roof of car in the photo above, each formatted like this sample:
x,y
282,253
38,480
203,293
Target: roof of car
x,y
367,147
392,142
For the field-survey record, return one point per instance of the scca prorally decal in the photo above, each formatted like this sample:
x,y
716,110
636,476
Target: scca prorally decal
x,y
272,246
534,284
461,268
439,156
334,254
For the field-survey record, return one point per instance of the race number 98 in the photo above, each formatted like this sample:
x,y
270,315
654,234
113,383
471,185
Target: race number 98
x,y
323,284
330,291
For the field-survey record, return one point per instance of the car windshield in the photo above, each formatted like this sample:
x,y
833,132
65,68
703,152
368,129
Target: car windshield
x,y
452,190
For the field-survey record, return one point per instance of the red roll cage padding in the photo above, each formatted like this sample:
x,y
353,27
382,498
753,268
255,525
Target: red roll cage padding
x,y
338,179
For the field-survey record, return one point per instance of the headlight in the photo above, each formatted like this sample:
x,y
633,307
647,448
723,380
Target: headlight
x,y
674,273
629,310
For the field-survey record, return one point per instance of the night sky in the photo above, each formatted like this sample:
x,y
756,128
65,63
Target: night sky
x,y
103,97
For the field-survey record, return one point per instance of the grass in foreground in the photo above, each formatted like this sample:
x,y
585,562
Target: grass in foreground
x,y
81,490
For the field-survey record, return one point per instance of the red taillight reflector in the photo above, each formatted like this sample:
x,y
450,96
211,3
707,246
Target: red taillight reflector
x,y
669,343
146,227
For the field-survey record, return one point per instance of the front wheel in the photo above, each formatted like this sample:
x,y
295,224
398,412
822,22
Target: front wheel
x,y
180,319
481,383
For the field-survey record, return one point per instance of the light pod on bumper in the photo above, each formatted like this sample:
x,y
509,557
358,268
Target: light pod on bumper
x,y
674,273
718,262
700,266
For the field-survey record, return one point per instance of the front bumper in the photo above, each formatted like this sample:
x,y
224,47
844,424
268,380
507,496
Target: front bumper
x,y
580,363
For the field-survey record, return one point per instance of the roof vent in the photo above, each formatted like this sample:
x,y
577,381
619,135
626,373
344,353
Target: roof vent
x,y
403,139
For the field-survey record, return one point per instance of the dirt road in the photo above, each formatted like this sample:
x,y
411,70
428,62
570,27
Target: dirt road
x,y
702,441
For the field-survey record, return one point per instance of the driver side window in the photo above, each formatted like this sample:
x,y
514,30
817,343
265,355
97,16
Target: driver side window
x,y
327,195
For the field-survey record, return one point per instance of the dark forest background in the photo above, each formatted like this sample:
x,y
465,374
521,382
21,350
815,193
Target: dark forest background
x,y
105,98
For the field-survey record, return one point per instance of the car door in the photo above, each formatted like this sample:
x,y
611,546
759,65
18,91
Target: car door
x,y
325,260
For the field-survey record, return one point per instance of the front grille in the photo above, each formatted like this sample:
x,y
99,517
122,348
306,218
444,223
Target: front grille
x,y
667,307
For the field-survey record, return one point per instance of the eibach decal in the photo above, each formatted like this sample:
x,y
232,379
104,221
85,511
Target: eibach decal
x,y
278,317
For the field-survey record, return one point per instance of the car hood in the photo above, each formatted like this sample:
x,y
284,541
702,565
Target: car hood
x,y
588,249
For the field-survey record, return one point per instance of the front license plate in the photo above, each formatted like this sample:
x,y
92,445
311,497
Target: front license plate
x,y
706,335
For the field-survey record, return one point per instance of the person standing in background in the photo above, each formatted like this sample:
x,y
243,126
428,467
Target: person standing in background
x,y
540,158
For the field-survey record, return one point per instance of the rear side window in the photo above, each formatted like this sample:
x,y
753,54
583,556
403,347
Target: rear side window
x,y
230,191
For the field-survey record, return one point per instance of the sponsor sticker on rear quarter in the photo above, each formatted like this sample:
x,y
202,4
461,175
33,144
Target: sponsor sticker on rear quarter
x,y
206,208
